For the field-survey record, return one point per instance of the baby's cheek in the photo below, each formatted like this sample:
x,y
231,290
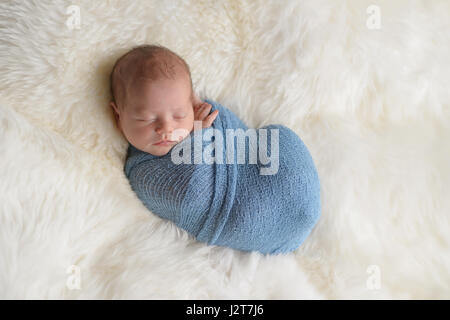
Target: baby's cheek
x,y
141,133
138,131
179,134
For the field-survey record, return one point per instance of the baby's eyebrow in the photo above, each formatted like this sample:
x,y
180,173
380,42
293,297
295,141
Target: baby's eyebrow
x,y
140,112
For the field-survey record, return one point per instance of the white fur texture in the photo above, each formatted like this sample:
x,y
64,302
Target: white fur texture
x,y
372,105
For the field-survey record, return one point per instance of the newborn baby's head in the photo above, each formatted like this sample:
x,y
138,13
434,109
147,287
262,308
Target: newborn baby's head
x,y
153,98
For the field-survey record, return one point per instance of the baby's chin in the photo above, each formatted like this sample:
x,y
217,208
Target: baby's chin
x,y
160,150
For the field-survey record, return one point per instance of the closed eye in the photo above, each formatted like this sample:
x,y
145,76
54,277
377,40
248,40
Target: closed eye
x,y
144,120
151,120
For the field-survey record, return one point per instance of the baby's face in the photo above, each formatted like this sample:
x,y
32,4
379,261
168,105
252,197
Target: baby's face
x,y
155,111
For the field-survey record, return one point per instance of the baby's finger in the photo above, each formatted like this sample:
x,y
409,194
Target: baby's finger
x,y
210,119
204,110
197,109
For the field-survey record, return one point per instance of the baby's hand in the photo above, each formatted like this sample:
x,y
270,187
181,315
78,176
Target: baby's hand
x,y
201,112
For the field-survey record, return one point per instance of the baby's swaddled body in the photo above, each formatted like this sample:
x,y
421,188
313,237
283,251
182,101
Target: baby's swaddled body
x,y
229,203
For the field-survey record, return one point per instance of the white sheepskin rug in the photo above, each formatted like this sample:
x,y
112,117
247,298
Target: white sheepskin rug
x,y
365,84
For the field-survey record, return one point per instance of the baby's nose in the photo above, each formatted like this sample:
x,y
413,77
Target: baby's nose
x,y
164,128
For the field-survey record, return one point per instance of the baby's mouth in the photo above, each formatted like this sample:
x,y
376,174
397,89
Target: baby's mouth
x,y
164,143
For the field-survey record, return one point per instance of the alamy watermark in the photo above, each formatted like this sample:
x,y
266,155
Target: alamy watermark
x,y
74,20
73,282
257,149
374,20
374,280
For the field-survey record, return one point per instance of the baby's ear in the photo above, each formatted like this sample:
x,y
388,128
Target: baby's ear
x,y
114,107
115,112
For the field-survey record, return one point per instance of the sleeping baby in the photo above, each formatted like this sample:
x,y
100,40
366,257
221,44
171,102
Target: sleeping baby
x,y
198,165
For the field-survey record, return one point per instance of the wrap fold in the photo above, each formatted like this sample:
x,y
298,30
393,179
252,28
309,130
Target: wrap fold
x,y
259,206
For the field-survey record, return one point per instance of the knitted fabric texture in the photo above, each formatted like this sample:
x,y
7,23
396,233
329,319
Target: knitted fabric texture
x,y
230,203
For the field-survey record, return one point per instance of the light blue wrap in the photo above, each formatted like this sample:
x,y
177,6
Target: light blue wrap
x,y
229,203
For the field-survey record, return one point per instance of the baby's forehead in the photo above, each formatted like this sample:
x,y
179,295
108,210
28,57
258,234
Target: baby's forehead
x,y
137,65
145,100
139,83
